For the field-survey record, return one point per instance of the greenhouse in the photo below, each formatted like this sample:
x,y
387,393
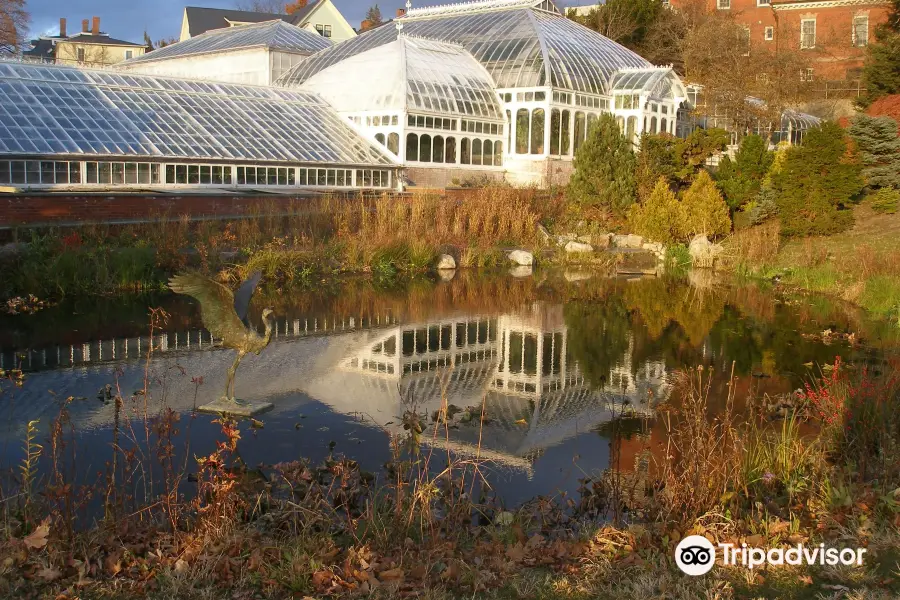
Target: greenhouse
x,y
258,54
62,126
551,79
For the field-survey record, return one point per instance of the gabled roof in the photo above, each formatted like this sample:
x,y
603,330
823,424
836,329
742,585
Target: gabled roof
x,y
275,35
200,20
521,43
412,74
101,40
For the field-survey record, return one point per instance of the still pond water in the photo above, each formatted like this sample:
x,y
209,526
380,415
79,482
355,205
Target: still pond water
x,y
556,362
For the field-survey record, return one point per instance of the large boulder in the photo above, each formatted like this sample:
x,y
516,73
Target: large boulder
x,y
522,258
578,247
628,241
703,252
446,262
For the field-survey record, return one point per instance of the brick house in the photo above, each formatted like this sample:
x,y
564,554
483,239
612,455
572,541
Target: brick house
x,y
835,32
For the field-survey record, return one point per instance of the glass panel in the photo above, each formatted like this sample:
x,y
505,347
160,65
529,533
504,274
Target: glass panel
x,y
565,141
301,176
498,154
555,132
17,171
205,174
465,151
437,153
74,172
488,153
476,152
92,172
144,173
118,173
48,172
105,173
282,176
450,151
522,132
62,172
537,131
425,148
193,174
393,143
412,146
580,129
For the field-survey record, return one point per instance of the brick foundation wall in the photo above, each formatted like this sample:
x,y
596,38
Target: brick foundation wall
x,y
443,177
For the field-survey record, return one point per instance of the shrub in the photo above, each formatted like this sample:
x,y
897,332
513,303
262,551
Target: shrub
x,y
818,179
740,179
678,160
879,149
660,218
604,169
765,207
704,211
886,200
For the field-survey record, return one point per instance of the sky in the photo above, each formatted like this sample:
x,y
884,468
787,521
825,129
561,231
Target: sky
x,y
128,19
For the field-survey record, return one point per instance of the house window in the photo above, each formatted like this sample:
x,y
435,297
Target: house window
x,y
806,74
769,34
323,30
763,2
745,40
129,54
80,54
861,30
723,4
808,33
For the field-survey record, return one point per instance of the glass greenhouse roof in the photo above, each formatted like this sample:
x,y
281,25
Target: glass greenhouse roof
x,y
412,74
658,81
276,35
520,44
49,109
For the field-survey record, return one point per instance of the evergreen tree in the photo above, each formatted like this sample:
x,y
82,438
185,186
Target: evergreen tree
x,y
765,206
817,181
881,72
703,208
373,16
879,150
660,217
740,179
604,168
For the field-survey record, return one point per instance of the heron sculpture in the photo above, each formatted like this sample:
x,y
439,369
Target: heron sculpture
x,y
224,314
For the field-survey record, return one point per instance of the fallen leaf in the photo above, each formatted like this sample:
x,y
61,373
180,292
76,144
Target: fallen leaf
x,y
806,579
391,574
521,422
181,566
516,553
49,574
37,539
755,540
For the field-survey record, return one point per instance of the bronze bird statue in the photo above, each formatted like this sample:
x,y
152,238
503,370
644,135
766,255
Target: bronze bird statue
x,y
224,314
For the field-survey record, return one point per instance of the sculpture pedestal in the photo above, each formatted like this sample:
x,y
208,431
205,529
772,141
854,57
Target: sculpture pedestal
x,y
223,406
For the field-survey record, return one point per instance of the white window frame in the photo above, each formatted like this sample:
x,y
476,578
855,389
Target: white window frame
x,y
129,54
769,33
803,45
853,39
723,4
323,30
807,74
763,2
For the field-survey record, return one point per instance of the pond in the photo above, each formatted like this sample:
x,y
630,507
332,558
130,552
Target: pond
x,y
570,370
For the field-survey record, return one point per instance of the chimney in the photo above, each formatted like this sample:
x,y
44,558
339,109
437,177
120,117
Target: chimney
x,y
401,12
85,25
62,28
96,27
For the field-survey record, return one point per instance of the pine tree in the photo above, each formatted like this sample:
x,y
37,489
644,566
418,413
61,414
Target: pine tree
x,y
604,168
879,149
373,16
704,209
660,217
765,206
740,179
817,181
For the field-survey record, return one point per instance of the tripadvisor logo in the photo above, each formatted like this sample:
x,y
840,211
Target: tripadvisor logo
x,y
696,555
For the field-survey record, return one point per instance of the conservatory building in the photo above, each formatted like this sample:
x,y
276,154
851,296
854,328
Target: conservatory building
x,y
497,89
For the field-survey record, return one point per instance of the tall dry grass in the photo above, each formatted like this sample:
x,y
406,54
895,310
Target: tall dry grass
x,y
754,248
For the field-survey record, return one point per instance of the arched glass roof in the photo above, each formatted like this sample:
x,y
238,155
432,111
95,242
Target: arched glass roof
x,y
50,109
520,44
275,35
411,74
660,82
